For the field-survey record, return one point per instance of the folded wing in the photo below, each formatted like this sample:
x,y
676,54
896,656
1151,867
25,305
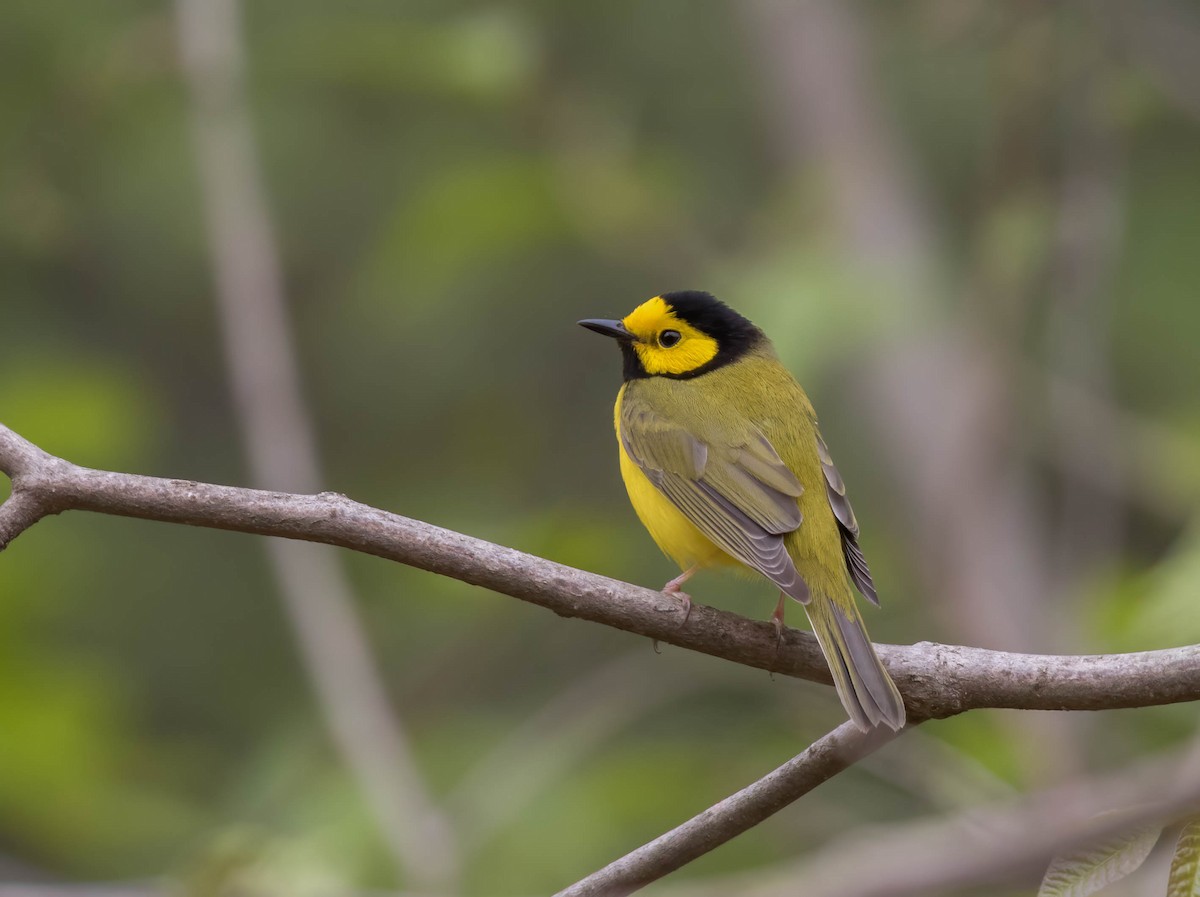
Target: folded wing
x,y
740,495
835,489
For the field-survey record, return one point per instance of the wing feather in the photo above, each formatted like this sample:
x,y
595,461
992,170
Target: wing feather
x,y
835,489
742,497
759,458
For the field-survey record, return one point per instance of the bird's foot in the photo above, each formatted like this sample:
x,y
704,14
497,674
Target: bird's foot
x,y
675,588
672,588
777,620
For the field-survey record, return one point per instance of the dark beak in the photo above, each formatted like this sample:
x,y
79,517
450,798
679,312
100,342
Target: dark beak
x,y
614,329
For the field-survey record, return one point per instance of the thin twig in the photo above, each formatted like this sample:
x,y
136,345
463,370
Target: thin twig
x,y
1003,841
828,756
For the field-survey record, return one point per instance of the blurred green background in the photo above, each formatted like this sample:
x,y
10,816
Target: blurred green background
x,y
970,228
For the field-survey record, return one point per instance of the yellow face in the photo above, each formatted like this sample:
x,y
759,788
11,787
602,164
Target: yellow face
x,y
665,343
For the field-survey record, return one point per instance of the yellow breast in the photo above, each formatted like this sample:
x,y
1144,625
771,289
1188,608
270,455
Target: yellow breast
x,y
677,536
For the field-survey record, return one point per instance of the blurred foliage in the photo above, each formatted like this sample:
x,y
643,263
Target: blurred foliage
x,y
454,185
1095,866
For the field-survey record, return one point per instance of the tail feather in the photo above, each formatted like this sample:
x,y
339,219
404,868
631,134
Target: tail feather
x,y
866,689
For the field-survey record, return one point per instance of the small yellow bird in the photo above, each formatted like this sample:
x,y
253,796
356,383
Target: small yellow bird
x,y
724,465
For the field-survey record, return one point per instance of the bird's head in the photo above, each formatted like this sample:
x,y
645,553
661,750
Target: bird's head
x,y
679,335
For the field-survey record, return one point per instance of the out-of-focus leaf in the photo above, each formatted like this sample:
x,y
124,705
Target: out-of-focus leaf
x,y
1091,868
1014,240
1162,614
249,860
1184,880
486,56
91,411
462,218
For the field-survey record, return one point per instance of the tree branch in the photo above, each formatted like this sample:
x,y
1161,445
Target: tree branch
x,y
936,680
32,497
825,758
1004,841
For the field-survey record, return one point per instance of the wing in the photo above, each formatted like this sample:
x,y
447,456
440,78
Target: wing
x,y
738,493
835,488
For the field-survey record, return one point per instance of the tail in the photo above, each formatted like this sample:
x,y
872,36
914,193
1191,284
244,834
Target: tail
x,y
867,691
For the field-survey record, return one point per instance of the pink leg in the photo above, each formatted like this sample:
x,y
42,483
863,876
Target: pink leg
x,y
777,619
674,587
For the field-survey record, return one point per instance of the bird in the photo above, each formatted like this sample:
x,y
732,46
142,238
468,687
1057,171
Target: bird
x,y
725,466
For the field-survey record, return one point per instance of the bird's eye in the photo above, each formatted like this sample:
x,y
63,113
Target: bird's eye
x,y
668,338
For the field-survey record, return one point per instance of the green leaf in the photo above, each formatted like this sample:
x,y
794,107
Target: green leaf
x,y
1091,868
1185,867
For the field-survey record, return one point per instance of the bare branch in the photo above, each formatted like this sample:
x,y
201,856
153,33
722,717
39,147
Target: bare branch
x,y
22,462
20,511
936,680
1004,841
828,756
19,456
